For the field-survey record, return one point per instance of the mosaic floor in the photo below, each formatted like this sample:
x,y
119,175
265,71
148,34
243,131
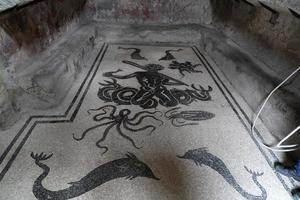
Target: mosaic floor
x,y
142,122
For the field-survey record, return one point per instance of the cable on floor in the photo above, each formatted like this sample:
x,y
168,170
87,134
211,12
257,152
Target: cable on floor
x,y
280,147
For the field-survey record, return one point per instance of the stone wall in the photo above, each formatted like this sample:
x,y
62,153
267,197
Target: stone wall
x,y
277,32
151,11
31,27
270,34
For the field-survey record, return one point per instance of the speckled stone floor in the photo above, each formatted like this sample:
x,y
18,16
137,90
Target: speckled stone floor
x,y
142,122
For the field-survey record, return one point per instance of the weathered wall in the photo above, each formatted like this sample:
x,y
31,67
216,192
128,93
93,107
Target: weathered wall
x,y
273,38
6,5
24,34
150,11
294,4
277,32
33,26
274,31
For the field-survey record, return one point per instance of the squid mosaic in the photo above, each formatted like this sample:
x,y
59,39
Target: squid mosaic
x,y
187,117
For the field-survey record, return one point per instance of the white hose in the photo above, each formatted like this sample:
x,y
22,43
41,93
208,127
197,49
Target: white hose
x,y
279,147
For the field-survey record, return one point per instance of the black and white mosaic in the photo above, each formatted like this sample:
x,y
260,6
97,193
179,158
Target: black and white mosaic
x,y
168,55
130,167
202,157
121,121
154,101
153,88
136,54
187,117
184,67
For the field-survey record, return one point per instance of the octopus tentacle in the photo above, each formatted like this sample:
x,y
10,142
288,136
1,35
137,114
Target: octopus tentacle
x,y
143,112
102,147
89,129
142,118
127,137
104,137
139,129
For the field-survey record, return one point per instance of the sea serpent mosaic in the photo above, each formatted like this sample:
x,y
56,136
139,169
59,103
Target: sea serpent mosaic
x,y
202,157
153,89
130,167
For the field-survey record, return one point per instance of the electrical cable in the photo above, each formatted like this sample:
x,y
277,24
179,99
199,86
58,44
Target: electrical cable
x,y
279,147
